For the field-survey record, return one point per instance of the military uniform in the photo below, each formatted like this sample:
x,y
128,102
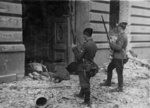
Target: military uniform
x,y
119,59
84,56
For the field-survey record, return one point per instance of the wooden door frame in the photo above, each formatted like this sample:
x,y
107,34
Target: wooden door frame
x,y
72,19
61,45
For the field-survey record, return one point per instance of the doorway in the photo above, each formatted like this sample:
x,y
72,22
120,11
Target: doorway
x,y
114,13
60,42
45,30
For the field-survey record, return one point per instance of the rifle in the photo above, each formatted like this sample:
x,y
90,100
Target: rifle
x,y
106,30
76,41
73,35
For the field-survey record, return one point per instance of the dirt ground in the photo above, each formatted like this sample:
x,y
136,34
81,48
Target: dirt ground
x,y
136,94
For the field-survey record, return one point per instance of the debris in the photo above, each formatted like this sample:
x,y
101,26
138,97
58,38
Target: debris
x,y
132,64
24,93
30,75
116,106
53,87
13,87
1,88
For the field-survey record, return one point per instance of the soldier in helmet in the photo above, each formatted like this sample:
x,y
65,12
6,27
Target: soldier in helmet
x,y
84,57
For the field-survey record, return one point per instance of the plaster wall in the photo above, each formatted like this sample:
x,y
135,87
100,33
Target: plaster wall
x,y
137,15
88,14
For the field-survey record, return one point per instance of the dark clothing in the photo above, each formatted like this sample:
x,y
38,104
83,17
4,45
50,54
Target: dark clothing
x,y
61,73
88,31
118,64
72,68
119,47
84,79
90,49
87,52
119,59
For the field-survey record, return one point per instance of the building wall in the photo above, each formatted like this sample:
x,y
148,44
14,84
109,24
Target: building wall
x,y
82,19
11,47
140,28
98,8
137,14
89,15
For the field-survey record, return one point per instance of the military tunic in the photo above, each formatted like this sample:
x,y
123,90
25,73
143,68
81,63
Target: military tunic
x,y
119,47
119,58
88,52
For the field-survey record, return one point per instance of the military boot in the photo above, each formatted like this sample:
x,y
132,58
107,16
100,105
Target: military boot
x,y
81,94
119,89
106,83
87,99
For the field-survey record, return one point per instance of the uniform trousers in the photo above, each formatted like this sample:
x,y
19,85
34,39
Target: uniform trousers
x,y
84,79
119,65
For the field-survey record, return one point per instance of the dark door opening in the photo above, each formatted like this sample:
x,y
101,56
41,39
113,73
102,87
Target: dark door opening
x,y
114,13
39,21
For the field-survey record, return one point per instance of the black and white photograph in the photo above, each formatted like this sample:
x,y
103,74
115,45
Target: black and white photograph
x,y
74,53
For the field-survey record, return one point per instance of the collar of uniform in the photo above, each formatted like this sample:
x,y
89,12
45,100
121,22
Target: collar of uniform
x,y
90,39
122,33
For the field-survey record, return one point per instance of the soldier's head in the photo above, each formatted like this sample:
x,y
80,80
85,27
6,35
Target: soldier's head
x,y
87,33
122,26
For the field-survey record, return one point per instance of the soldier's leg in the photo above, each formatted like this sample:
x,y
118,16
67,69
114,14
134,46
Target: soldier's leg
x,y
119,69
87,96
84,80
81,81
85,86
87,90
110,68
81,93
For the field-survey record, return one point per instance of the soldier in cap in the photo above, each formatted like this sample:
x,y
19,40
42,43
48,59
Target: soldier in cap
x,y
119,57
84,57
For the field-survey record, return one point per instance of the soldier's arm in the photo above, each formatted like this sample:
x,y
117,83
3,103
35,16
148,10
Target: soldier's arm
x,y
79,52
118,45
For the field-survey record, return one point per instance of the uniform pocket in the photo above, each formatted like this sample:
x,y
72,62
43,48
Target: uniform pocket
x,y
94,69
125,60
87,67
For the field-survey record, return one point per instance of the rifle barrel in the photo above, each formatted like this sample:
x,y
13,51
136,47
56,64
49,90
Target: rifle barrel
x,y
106,30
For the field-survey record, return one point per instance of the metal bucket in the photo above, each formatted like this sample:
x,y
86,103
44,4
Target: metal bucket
x,y
41,102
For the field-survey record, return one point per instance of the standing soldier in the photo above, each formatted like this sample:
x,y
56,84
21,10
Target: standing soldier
x,y
119,58
85,55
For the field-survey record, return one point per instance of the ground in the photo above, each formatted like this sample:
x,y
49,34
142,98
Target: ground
x,y
25,92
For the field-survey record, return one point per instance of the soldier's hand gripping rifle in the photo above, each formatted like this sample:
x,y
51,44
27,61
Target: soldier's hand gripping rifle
x,y
76,41
77,48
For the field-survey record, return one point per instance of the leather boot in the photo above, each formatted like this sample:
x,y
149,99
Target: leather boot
x,y
87,99
106,83
119,89
81,94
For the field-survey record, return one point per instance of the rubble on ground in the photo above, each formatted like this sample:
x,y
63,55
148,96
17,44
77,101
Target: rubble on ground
x,y
136,94
23,93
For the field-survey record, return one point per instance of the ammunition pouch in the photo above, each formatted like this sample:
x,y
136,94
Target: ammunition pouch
x,y
117,51
125,60
91,68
